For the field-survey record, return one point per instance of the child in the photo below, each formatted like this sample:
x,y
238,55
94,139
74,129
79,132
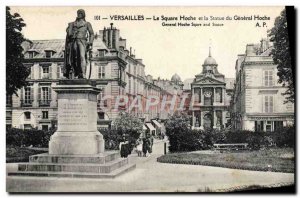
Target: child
x,y
139,148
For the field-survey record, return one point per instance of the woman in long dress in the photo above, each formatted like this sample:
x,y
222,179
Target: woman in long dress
x,y
124,147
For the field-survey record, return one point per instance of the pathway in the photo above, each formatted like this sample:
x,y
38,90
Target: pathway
x,y
151,176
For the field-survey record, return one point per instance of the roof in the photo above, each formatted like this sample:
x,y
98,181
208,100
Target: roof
x,y
175,78
58,46
40,46
150,127
210,61
156,123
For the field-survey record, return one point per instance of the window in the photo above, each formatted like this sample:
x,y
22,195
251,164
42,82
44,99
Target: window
x,y
27,115
45,127
31,54
134,70
268,78
219,95
48,54
134,87
268,104
45,114
100,97
8,115
27,96
259,126
8,100
219,118
198,119
45,93
45,72
197,92
101,53
101,115
269,126
27,126
278,125
101,71
58,71
44,96
129,84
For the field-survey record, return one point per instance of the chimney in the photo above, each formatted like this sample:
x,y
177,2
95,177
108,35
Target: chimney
x,y
250,50
111,25
264,45
130,51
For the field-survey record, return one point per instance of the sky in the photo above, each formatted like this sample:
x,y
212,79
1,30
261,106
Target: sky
x,y
165,50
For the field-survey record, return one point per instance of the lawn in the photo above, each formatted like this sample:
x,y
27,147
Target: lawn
x,y
277,160
20,154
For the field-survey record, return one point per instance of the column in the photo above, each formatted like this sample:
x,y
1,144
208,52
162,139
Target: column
x,y
193,121
223,95
215,119
224,118
201,120
202,96
214,95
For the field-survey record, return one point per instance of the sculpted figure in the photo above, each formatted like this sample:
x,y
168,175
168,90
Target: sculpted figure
x,y
79,41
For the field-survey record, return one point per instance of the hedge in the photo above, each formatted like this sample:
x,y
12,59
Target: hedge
x,y
28,137
182,138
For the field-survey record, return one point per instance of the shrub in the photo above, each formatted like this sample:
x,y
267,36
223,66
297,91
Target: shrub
x,y
28,137
112,138
182,138
177,130
284,137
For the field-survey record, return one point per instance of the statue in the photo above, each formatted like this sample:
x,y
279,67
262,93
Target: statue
x,y
79,42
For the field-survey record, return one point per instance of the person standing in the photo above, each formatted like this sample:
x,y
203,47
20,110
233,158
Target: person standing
x,y
123,146
139,147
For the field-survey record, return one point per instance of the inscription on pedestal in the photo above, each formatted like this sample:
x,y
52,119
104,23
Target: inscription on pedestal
x,y
73,115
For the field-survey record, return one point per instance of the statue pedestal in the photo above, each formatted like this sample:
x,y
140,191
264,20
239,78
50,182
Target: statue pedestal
x,y
76,149
77,120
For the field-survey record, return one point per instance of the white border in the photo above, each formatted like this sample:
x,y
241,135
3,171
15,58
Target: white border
x,y
108,3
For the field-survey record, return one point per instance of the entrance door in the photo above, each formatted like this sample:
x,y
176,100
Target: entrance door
x,y
207,121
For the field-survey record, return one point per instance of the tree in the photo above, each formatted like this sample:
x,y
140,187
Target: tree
x,y
129,125
281,55
16,72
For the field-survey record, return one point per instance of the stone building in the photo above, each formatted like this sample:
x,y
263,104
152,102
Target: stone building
x,y
114,68
258,103
210,97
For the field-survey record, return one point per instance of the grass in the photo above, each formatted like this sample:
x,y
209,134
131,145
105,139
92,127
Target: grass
x,y
20,154
276,159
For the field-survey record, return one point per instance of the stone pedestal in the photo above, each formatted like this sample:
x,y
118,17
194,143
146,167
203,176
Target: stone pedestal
x,y
77,120
76,149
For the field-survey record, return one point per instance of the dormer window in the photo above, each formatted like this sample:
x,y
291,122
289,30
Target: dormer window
x,y
30,54
48,54
101,53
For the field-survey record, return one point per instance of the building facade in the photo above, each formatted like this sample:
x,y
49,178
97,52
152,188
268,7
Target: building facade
x,y
210,97
114,67
258,103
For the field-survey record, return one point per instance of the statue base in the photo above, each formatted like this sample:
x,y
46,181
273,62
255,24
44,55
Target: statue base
x,y
77,119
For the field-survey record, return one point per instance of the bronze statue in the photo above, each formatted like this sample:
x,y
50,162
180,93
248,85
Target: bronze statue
x,y
79,42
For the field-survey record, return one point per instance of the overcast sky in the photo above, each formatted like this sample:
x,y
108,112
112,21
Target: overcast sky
x,y
164,50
